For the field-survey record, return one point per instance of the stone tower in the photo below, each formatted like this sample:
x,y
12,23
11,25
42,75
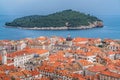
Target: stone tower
x,y
69,40
4,56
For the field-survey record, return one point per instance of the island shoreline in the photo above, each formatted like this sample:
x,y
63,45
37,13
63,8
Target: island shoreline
x,y
59,28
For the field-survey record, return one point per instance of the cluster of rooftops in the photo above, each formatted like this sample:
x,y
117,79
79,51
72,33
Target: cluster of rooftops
x,y
59,58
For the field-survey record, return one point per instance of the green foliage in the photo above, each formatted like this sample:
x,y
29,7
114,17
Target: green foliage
x,y
12,78
101,46
58,19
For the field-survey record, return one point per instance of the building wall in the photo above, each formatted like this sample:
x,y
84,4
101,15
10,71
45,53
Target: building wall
x,y
20,60
105,77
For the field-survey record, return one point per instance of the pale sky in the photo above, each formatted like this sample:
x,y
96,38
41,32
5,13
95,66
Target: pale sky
x,y
32,7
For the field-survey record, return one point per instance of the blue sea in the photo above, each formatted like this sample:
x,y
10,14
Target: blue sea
x,y
110,30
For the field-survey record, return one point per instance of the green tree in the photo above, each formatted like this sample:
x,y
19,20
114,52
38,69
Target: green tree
x,y
58,19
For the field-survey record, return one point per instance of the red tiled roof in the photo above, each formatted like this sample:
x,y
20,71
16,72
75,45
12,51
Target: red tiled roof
x,y
108,73
96,68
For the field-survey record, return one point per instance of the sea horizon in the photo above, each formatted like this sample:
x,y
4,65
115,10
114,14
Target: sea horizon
x,y
110,30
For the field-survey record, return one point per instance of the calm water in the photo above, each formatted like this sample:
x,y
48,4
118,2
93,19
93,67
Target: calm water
x,y
110,30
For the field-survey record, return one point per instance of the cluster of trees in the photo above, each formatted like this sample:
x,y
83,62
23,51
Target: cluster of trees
x,y
59,19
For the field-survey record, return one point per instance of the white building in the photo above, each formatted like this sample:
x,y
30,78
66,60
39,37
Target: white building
x,y
21,46
21,57
4,56
19,61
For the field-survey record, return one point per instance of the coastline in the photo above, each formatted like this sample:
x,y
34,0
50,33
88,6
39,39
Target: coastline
x,y
60,28
94,25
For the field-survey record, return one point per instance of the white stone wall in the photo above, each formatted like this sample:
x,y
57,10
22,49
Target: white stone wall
x,y
91,58
20,60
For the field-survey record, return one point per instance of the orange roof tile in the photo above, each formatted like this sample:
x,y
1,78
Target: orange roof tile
x,y
42,38
35,72
78,39
108,73
96,68
27,51
85,62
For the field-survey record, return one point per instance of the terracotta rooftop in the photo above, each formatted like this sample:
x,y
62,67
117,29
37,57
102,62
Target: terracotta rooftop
x,y
85,62
97,68
108,73
27,51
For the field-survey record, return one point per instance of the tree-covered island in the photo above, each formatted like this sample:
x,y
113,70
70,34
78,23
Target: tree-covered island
x,y
67,19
